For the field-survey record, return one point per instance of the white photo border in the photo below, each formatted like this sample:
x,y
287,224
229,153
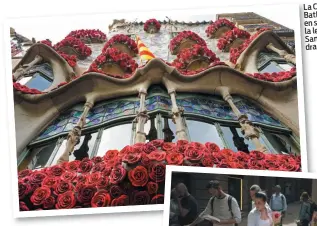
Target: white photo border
x,y
202,11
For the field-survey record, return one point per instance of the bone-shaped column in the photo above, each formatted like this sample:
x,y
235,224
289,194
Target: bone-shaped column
x,y
177,114
283,53
74,135
141,118
26,67
249,131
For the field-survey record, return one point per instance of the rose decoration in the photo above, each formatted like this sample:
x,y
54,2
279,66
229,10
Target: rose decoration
x,y
138,176
117,174
123,200
275,76
158,199
89,35
39,195
101,199
66,200
214,27
152,187
140,198
152,23
183,36
229,37
157,172
122,39
82,50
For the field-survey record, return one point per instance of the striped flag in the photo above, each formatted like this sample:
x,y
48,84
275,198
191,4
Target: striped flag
x,y
144,52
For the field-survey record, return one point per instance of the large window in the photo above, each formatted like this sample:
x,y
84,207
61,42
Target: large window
x,y
111,124
269,62
39,77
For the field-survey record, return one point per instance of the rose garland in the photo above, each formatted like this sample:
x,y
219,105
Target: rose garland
x,y
122,39
275,76
177,40
152,22
89,35
212,28
24,89
103,181
186,56
112,55
236,52
230,37
82,49
46,42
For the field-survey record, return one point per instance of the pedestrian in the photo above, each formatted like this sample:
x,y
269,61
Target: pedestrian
x,y
222,208
253,190
174,210
278,202
261,215
187,205
304,212
314,218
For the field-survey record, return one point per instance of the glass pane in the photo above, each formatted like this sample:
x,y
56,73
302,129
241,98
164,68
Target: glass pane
x,y
286,67
24,80
203,132
116,137
271,67
147,127
280,143
41,155
172,126
82,149
38,82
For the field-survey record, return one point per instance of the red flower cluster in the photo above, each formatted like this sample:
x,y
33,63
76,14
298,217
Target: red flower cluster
x,y
123,39
89,35
182,36
231,36
212,28
236,52
112,55
76,44
133,176
152,22
71,59
186,56
46,42
275,76
25,89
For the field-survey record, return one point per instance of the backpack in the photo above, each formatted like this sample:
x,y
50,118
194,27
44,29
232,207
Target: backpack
x,y
229,205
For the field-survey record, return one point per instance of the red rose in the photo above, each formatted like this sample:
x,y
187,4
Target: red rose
x,y
66,200
69,176
257,155
157,143
123,200
158,199
152,187
85,166
194,152
103,183
131,158
212,147
182,143
106,171
145,161
168,146
37,178
157,172
39,195
97,159
140,198
101,199
138,176
149,147
62,187
50,181
117,174
23,206
116,191
94,178
82,178
255,164
73,165
24,173
111,154
157,156
242,156
24,189
49,203
174,158
99,167
208,161
85,193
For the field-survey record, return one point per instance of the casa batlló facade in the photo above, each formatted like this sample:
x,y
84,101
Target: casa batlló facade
x,y
99,116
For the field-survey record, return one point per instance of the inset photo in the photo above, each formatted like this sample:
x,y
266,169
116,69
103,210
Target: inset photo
x,y
239,197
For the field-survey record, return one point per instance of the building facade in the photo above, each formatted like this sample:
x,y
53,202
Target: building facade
x,y
200,81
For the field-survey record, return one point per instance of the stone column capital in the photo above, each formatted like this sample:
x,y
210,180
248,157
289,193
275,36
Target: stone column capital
x,y
89,105
142,91
172,90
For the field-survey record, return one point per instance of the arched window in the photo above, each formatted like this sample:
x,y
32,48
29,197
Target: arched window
x,y
39,77
110,125
268,61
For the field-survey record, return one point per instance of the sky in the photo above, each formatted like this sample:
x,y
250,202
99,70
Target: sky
x,y
56,28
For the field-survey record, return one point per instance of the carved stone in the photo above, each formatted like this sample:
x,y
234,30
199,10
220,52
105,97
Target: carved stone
x,y
26,67
142,118
198,64
221,31
111,68
123,48
187,43
283,53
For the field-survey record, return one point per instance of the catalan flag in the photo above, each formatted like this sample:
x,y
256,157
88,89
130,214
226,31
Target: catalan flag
x,y
144,52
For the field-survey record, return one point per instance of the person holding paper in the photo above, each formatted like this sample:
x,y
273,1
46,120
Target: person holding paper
x,y
187,205
222,209
261,215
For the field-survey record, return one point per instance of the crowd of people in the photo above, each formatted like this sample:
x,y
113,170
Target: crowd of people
x,y
223,209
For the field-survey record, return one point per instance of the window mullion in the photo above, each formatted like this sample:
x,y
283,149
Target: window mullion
x,y
23,155
267,142
187,130
58,145
221,135
97,143
159,128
